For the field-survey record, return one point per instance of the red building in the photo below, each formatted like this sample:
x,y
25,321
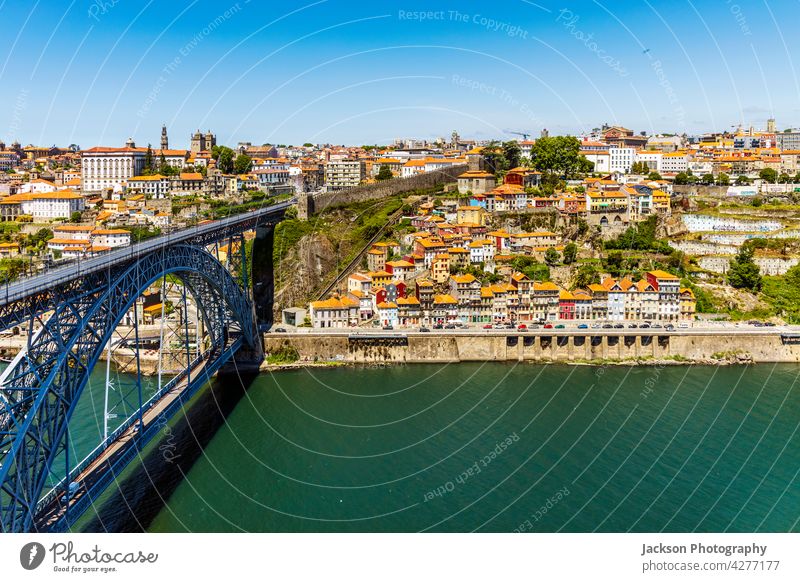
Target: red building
x,y
566,305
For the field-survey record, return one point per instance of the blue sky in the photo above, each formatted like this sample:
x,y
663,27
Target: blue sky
x,y
97,72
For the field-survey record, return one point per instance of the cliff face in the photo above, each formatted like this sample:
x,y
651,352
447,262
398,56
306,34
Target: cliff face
x,y
300,272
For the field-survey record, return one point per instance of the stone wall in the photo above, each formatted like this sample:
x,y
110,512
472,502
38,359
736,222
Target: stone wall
x,y
309,204
433,348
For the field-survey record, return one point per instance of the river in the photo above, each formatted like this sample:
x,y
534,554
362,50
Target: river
x,y
474,447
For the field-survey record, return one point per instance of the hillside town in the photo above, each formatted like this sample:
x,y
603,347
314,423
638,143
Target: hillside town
x,y
478,252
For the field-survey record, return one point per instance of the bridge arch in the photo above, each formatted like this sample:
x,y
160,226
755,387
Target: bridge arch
x,y
43,384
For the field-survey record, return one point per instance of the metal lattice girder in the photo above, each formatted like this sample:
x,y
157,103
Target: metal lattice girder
x,y
42,385
37,295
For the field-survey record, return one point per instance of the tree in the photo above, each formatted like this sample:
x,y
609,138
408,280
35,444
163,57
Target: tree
x,y
290,213
512,154
785,178
723,180
757,201
586,275
653,176
640,168
148,158
570,253
385,173
225,160
742,180
583,227
308,144
681,179
552,257
493,157
531,268
559,156
75,216
707,179
768,175
243,164
743,273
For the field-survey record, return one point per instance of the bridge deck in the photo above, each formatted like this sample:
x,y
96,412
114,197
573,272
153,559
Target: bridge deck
x,y
204,233
54,510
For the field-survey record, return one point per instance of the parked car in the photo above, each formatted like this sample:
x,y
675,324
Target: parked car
x,y
633,326
560,326
644,326
280,330
487,326
669,327
657,326
534,326
596,326
450,326
608,326
548,326
522,327
387,328
583,326
769,324
619,326
424,330
438,326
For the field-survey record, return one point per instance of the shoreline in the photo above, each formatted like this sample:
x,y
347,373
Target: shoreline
x,y
640,362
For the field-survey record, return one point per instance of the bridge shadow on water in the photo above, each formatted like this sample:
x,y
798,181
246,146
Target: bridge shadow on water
x,y
139,498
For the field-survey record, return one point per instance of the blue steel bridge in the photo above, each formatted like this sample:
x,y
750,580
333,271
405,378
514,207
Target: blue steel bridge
x,y
70,315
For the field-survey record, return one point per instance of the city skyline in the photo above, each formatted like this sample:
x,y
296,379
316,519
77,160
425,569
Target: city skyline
x,y
100,72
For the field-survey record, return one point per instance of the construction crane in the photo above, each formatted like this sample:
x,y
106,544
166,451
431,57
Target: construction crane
x,y
522,133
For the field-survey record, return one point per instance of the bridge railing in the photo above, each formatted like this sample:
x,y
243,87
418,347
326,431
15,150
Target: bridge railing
x,y
69,272
60,487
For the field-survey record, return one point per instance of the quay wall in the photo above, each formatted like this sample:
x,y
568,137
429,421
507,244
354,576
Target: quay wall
x,y
475,347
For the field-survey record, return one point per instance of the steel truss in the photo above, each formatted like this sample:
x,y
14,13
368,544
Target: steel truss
x,y
73,323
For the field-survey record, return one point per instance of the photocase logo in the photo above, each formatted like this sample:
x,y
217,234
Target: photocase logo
x,y
31,555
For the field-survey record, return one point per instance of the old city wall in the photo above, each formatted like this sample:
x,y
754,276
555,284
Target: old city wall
x,y
312,203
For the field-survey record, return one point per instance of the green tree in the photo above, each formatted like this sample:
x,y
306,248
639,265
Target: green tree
x,y
494,158
243,164
385,173
653,176
707,179
225,160
512,154
757,201
308,144
583,227
586,275
570,253
75,216
559,156
743,180
785,178
552,257
681,179
743,273
532,268
148,158
768,175
723,180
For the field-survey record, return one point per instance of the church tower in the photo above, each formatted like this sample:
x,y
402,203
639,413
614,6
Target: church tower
x,y
164,138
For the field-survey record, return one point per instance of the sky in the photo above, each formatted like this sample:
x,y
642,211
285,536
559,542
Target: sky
x,y
328,71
